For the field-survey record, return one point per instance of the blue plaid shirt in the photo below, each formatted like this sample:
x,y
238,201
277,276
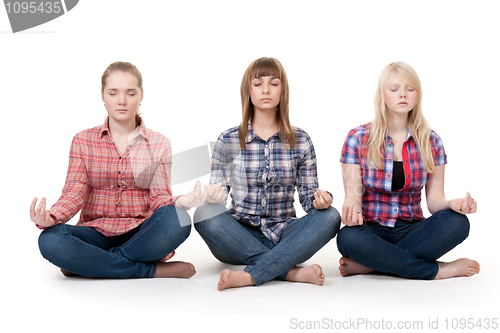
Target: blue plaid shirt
x,y
263,178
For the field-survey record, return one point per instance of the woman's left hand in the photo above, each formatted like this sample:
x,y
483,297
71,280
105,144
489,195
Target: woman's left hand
x,y
466,205
195,198
322,199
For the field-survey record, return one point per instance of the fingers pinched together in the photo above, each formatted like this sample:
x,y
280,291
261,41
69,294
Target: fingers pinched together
x,y
350,216
322,200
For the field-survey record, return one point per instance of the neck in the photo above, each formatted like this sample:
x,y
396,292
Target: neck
x,y
397,123
121,129
265,120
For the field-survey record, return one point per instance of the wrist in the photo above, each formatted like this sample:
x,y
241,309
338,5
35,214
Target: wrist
x,y
180,201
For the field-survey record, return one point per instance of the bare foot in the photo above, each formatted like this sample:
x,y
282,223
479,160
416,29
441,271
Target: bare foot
x,y
350,267
178,269
311,274
459,267
233,279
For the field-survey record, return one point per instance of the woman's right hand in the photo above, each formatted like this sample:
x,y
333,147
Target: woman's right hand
x,y
350,216
216,193
41,216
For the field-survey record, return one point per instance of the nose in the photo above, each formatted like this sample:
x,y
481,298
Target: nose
x,y
265,88
121,99
402,93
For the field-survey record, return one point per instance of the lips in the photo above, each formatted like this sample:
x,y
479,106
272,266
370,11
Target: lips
x,y
403,103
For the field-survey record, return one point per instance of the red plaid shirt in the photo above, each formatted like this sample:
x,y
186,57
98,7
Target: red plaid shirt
x,y
115,192
379,203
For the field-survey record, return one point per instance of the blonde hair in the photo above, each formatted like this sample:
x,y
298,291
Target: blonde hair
x,y
126,67
258,68
418,125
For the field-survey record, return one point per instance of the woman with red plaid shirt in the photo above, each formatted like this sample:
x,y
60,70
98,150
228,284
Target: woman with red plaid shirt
x,y
385,165
119,177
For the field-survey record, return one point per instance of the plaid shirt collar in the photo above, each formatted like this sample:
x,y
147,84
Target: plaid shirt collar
x,y
142,129
251,134
408,136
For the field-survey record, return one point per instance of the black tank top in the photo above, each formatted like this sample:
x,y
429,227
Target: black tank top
x,y
398,176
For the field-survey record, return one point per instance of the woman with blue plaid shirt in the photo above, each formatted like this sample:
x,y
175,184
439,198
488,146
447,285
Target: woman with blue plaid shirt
x,y
261,163
385,165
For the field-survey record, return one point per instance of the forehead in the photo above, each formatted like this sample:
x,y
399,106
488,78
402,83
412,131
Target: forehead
x,y
119,79
394,78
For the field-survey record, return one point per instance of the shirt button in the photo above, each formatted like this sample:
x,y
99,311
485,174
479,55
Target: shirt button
x,y
388,176
119,172
395,209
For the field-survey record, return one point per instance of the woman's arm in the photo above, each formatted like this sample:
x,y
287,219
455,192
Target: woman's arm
x,y
160,191
436,200
220,175
353,192
310,196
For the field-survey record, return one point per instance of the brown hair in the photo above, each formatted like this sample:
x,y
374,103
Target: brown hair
x,y
125,67
258,68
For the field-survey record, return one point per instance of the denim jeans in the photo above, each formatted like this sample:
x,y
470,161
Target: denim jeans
x,y
409,250
85,251
238,244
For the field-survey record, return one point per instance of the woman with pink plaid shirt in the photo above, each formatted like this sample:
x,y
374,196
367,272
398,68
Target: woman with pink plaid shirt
x,y
119,179
385,165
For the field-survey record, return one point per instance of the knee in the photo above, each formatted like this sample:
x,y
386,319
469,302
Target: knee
x,y
462,226
50,240
329,218
172,214
183,219
333,218
458,224
167,222
206,212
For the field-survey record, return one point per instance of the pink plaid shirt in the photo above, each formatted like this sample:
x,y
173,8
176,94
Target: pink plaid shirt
x,y
379,203
115,192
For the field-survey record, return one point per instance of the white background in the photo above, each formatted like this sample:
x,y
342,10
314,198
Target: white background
x,y
192,55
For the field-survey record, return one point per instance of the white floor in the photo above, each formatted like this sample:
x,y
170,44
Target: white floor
x,y
42,298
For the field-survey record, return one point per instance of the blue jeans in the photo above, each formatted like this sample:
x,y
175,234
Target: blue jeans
x,y
409,250
238,244
85,251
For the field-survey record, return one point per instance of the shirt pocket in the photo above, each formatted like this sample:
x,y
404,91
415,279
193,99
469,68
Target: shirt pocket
x,y
373,179
285,171
245,171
